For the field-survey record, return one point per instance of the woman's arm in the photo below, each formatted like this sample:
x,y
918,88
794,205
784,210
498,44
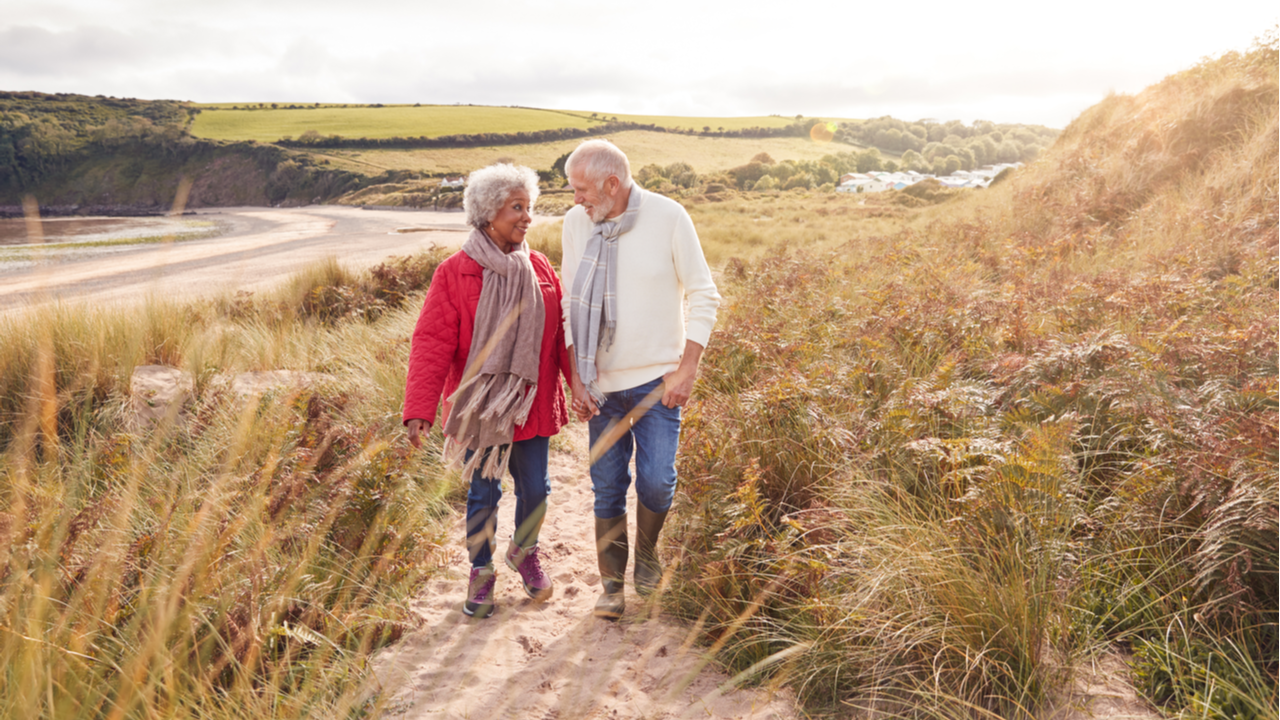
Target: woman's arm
x,y
434,344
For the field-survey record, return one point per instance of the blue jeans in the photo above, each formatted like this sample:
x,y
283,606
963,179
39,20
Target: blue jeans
x,y
653,431
528,466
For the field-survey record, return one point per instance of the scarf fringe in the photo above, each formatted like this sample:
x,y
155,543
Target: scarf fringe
x,y
495,459
507,400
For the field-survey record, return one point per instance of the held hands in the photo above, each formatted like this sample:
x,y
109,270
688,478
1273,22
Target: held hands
x,y
417,427
583,406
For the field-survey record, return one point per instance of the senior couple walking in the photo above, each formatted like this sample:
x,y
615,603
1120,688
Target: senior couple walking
x,y
497,333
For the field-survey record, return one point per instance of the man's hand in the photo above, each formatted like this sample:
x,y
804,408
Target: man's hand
x,y
584,408
417,428
678,384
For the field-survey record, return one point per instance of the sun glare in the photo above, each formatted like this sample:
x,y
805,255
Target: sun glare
x,y
822,132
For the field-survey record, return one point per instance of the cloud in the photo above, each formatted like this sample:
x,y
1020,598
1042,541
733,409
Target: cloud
x,y
37,52
713,58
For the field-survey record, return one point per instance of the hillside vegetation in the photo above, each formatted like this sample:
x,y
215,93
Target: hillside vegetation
x,y
75,151
71,150
929,472
644,147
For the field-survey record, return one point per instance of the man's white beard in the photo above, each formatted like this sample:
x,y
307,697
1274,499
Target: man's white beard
x,y
601,210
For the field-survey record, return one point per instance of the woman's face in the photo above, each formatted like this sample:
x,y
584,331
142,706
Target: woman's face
x,y
512,221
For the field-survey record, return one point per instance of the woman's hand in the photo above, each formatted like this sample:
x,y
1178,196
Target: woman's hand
x,y
417,428
584,407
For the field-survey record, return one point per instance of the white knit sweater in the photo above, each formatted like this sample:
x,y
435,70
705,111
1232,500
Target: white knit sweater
x,y
660,266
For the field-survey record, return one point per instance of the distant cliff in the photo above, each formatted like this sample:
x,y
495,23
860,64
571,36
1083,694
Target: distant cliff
x,y
78,150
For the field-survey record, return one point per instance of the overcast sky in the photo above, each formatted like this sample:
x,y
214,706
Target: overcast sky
x,y
1030,62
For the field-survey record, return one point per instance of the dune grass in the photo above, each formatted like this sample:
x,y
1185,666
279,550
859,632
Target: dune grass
x,y
238,556
934,466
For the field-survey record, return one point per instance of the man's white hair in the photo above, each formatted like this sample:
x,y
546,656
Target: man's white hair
x,y
596,160
488,189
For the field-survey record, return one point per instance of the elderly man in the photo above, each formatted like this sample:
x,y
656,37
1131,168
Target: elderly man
x,y
633,262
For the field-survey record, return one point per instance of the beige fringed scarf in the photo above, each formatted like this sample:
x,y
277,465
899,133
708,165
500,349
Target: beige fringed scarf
x,y
501,378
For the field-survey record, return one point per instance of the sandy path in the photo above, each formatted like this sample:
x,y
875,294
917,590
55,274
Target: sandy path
x,y
553,660
260,248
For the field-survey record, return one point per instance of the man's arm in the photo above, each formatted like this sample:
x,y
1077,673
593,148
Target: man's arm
x,y
570,256
702,299
678,384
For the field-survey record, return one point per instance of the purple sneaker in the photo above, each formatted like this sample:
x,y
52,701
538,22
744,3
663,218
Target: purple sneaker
x,y
480,593
525,561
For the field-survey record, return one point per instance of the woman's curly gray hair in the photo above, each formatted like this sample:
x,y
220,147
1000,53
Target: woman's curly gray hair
x,y
488,189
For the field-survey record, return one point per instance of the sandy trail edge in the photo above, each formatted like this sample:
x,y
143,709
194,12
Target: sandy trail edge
x,y
258,250
553,660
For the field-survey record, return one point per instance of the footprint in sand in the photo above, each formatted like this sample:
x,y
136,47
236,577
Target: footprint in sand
x,y
532,646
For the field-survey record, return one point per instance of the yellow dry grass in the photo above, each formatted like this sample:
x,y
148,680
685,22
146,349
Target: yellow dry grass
x,y
705,154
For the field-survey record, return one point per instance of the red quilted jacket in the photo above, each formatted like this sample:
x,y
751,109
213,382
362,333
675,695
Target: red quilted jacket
x,y
442,341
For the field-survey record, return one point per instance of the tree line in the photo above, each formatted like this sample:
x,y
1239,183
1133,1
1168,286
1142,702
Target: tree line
x,y
930,146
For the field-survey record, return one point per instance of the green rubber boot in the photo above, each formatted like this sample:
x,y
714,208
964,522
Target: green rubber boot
x,y
611,553
648,572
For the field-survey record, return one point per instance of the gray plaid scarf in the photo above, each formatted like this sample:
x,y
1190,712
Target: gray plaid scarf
x,y
501,378
593,301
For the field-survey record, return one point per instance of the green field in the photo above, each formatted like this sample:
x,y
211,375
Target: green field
x,y
705,154
692,123
231,121
219,122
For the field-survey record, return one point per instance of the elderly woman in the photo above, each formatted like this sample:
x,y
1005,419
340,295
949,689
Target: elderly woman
x,y
490,342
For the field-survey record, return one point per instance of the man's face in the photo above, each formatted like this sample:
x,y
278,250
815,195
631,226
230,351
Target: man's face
x,y
595,200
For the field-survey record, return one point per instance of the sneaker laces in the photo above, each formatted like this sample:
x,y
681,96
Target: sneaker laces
x,y
531,567
481,593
